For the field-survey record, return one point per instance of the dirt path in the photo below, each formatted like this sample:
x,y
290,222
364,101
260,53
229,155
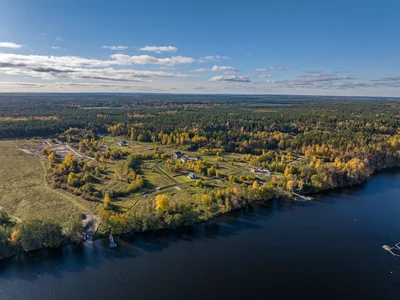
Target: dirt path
x,y
165,173
78,154
18,220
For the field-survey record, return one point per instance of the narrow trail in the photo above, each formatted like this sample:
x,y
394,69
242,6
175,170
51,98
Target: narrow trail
x,y
78,154
175,185
165,173
18,220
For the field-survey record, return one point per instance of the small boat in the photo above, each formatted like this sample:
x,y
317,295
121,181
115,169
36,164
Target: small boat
x,y
299,199
112,243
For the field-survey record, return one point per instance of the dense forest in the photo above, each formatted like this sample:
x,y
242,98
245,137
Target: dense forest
x,y
308,143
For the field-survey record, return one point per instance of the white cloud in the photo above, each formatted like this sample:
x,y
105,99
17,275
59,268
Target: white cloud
x,y
264,76
67,86
320,81
216,68
230,78
279,68
9,85
10,45
213,58
201,70
273,68
73,67
43,60
59,39
150,60
159,49
116,48
55,48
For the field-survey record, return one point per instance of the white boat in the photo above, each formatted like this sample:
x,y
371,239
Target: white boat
x,y
112,243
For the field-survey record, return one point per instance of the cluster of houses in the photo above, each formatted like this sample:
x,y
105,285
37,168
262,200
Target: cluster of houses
x,y
184,158
261,171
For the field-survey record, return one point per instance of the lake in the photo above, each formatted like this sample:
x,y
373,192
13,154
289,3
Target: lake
x,y
330,248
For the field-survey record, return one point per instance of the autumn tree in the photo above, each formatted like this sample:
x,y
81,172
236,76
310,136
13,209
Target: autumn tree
x,y
290,184
107,201
52,157
255,185
14,238
162,202
206,200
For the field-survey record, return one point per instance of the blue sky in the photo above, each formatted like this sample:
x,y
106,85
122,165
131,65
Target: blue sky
x,y
267,47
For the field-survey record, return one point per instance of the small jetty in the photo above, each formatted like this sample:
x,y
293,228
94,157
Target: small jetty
x,y
112,243
390,249
299,197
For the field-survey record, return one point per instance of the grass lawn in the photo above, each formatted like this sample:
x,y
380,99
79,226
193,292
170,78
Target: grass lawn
x,y
183,179
24,192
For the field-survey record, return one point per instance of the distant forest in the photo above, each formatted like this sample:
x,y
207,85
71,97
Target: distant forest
x,y
31,115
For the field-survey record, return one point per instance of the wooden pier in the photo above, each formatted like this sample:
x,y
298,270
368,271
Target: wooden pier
x,y
306,198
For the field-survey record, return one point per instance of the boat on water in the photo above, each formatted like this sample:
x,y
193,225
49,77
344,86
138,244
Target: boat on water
x,y
112,243
299,199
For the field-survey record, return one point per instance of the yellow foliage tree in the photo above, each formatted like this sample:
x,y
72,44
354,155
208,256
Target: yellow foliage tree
x,y
52,157
162,202
107,201
118,222
69,159
72,179
255,185
14,237
290,185
206,200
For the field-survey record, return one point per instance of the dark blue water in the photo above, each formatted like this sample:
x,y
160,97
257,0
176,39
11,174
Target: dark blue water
x,y
325,249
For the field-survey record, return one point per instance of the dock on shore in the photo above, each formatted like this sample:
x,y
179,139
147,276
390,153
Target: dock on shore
x,y
306,198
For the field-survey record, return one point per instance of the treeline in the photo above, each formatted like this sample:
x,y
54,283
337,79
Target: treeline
x,y
43,115
36,234
167,214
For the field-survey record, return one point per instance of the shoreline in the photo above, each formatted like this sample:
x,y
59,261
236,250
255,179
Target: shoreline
x,y
99,236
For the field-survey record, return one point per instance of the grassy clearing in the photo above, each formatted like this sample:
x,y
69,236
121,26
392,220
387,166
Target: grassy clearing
x,y
24,192
183,179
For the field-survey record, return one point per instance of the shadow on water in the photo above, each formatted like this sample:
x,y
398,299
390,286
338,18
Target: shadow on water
x,y
76,258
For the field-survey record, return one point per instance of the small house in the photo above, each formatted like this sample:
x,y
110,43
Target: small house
x,y
123,143
195,158
191,175
261,171
177,155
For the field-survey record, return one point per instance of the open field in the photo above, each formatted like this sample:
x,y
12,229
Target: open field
x,y
24,192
